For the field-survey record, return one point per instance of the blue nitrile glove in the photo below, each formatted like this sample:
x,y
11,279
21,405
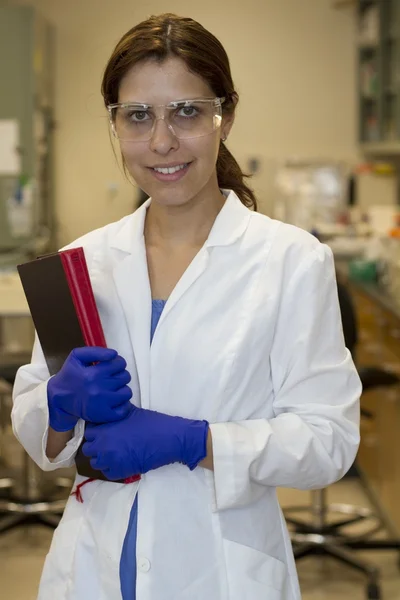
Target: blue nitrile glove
x,y
144,441
94,392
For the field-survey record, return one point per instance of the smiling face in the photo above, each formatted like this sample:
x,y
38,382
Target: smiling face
x,y
196,178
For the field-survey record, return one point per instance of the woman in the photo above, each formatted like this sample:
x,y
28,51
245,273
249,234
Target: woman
x,y
246,384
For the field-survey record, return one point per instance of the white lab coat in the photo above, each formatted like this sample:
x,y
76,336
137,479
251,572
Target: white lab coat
x,y
250,339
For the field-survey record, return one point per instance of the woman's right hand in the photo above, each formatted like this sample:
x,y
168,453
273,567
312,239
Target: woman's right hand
x,y
97,393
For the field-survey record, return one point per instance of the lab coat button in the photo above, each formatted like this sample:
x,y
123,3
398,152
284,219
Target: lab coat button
x,y
143,564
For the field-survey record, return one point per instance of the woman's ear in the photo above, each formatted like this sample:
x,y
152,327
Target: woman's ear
x,y
235,99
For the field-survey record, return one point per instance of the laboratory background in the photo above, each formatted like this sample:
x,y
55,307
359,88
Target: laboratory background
x,y
318,127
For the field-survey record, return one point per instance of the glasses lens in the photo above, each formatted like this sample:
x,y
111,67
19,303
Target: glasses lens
x,y
132,123
194,119
185,119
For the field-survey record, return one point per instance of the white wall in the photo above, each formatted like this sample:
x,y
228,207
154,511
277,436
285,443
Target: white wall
x,y
293,62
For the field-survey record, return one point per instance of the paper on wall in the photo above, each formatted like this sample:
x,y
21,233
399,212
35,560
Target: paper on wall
x,y
20,211
10,162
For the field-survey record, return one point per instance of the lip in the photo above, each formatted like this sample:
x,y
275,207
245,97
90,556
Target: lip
x,y
165,177
169,165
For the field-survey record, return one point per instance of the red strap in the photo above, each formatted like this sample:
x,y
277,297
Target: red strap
x,y
77,492
132,479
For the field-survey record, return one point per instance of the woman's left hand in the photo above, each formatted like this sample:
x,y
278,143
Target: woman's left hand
x,y
143,441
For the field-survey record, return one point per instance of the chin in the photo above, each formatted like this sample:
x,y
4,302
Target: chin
x,y
168,194
172,197
178,193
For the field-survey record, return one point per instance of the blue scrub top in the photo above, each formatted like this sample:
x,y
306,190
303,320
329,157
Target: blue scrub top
x,y
127,566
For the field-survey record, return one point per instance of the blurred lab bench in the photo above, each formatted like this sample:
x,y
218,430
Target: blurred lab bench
x,y
16,326
12,297
378,345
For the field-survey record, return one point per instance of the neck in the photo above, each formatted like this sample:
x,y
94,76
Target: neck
x,y
185,225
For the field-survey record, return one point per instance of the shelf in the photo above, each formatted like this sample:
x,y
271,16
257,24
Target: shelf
x,y
341,3
382,148
378,42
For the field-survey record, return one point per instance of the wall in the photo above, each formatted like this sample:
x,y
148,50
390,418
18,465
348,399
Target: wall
x,y
293,62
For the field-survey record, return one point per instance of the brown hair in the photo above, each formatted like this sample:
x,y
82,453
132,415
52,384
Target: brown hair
x,y
167,35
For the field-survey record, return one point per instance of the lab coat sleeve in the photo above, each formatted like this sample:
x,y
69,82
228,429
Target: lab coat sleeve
x,y
314,435
30,415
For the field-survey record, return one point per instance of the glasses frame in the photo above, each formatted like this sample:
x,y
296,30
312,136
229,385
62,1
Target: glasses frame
x,y
218,102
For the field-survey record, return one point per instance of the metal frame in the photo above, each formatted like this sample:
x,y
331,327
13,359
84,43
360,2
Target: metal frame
x,y
320,536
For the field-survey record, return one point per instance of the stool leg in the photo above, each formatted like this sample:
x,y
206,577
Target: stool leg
x,y
50,520
303,550
345,557
10,521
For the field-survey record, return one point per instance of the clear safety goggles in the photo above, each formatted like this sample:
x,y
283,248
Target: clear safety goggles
x,y
135,122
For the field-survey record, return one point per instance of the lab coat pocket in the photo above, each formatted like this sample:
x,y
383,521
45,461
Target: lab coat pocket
x,y
253,575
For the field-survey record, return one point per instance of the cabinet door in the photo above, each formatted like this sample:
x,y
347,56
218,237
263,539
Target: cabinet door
x,y
370,328
388,425
369,453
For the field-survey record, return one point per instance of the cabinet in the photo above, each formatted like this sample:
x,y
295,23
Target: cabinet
x,y
379,452
378,56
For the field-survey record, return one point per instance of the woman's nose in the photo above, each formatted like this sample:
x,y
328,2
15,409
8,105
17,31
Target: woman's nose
x,y
163,138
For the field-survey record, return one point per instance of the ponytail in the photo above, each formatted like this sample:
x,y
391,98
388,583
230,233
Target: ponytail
x,y
230,176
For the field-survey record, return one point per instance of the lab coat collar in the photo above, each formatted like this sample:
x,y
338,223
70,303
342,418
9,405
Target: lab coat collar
x,y
132,231
229,226
231,222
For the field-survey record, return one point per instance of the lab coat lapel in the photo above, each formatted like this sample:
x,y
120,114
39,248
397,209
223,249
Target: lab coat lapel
x,y
192,273
228,227
133,287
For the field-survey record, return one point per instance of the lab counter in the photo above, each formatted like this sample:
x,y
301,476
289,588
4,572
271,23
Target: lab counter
x,y
371,290
378,345
16,327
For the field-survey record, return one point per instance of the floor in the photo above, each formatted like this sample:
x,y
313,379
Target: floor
x,y
22,552
326,579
